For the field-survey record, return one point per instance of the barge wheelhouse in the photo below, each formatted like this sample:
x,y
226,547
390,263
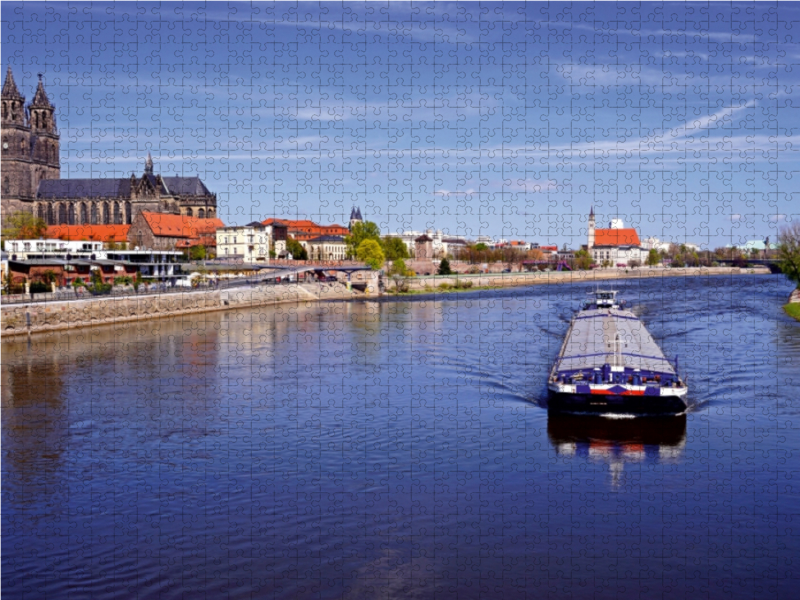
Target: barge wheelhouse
x,y
609,363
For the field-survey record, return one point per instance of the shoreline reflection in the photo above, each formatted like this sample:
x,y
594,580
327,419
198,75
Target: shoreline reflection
x,y
617,441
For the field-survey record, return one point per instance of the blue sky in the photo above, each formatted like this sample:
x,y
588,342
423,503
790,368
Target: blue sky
x,y
500,119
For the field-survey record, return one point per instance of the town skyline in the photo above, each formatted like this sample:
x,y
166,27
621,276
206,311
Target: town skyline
x,y
434,117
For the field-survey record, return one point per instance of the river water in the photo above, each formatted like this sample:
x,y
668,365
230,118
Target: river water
x,y
402,449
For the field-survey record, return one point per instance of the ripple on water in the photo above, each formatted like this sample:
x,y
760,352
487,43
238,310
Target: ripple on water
x,y
395,449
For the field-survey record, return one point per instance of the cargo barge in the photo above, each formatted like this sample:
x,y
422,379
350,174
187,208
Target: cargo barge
x,y
609,363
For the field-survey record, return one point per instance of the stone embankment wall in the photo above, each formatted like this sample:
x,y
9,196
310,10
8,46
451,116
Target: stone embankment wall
x,y
519,279
21,319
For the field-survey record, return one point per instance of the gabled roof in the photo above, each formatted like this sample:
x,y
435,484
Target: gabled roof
x,y
186,186
305,226
117,188
205,240
616,237
96,233
278,222
166,225
328,238
84,188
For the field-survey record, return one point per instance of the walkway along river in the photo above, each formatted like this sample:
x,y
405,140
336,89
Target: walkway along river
x,y
401,448
59,314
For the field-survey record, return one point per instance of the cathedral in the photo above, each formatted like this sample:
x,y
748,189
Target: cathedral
x,y
31,175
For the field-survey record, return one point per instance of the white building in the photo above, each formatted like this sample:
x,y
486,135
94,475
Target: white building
x,y
157,261
23,248
616,245
326,247
246,243
442,243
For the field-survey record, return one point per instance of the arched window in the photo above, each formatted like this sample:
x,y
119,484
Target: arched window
x,y
62,214
117,214
106,214
127,213
201,214
71,214
82,215
94,214
50,216
41,212
188,212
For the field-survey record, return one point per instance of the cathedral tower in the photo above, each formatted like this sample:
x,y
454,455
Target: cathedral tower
x,y
30,151
45,143
590,241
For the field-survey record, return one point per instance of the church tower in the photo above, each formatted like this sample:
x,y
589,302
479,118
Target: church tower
x,y
45,142
16,137
355,216
30,151
590,241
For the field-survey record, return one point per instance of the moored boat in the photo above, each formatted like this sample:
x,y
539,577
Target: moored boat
x,y
609,363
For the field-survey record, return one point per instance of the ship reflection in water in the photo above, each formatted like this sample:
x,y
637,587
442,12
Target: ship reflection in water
x,y
618,441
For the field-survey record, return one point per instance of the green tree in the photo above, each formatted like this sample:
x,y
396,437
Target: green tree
x,y
399,274
444,267
23,226
98,287
394,248
583,260
369,251
678,261
481,247
789,252
653,258
198,252
296,249
49,276
358,234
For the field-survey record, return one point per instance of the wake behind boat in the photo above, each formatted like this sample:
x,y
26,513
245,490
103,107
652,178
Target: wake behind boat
x,y
609,363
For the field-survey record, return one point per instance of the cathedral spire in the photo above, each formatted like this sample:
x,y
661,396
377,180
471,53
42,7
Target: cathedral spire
x,y
40,100
13,101
10,90
591,211
148,164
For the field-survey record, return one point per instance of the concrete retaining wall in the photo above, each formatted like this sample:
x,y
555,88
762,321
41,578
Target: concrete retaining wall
x,y
21,319
519,279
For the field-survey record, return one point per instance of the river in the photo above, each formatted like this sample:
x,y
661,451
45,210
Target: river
x,y
402,448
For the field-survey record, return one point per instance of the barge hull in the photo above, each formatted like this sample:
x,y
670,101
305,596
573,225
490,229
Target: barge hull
x,y
615,404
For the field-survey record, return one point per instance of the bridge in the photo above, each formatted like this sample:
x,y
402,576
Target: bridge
x,y
531,265
771,263
285,271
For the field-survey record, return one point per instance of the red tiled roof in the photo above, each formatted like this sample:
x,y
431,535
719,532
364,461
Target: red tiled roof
x,y
97,233
300,227
209,241
616,237
166,225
